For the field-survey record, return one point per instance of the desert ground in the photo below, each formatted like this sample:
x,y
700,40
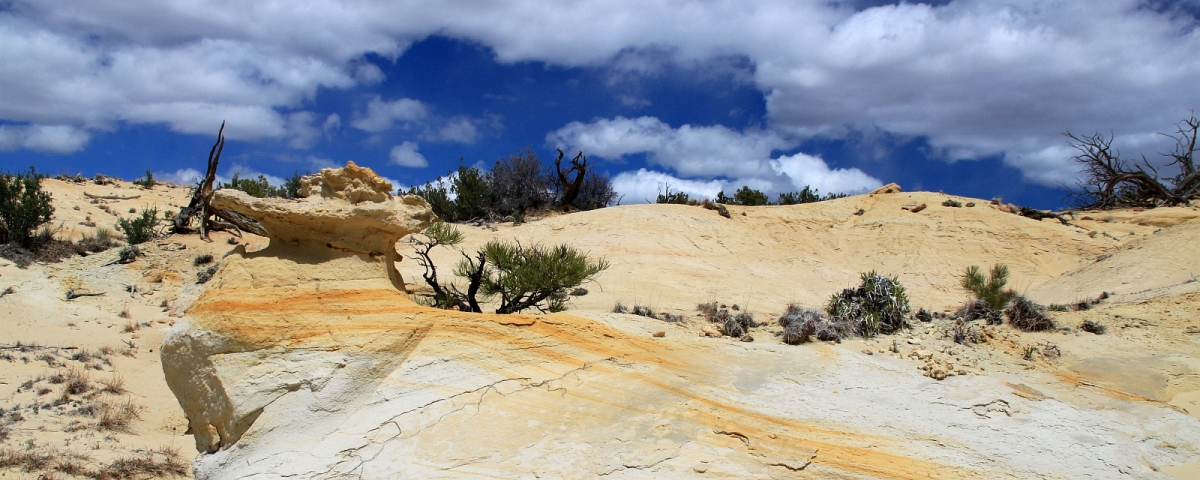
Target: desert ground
x,y
591,392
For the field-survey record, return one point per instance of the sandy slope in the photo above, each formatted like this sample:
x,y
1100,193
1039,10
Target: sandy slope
x,y
673,257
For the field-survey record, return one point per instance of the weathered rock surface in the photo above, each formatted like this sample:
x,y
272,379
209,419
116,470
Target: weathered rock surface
x,y
307,360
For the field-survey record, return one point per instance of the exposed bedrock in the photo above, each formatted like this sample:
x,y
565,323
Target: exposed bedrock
x,y
307,360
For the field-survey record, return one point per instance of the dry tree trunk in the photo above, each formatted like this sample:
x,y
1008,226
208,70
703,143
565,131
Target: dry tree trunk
x,y
201,207
570,188
1112,182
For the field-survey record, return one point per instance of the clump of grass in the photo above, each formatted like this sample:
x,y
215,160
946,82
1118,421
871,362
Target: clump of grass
x,y
642,310
103,239
156,464
205,275
202,260
29,460
711,205
130,326
117,416
732,324
1027,315
1092,327
979,310
738,325
879,305
950,202
114,385
129,254
963,332
620,308
713,312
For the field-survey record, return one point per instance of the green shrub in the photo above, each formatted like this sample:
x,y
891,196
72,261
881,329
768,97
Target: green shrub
x,y
668,196
596,192
989,290
438,198
23,207
807,195
474,195
291,186
141,229
749,197
535,276
520,183
148,181
259,188
878,305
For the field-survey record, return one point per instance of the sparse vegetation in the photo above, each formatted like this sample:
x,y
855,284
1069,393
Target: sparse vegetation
x,y
964,332
259,188
146,182
1026,315
101,240
801,325
1092,327
990,289
950,202
23,207
879,305
117,416
128,254
523,277
141,229
678,198
202,260
807,195
205,275
642,310
534,276
519,183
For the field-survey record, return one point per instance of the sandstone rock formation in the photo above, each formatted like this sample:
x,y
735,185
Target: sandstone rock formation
x,y
889,188
306,359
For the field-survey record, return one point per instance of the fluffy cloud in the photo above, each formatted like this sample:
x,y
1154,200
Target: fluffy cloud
x,y
43,138
645,186
382,115
975,77
406,155
745,158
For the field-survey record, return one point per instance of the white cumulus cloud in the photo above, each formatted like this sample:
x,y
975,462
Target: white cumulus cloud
x,y
974,77
382,115
43,138
700,154
406,155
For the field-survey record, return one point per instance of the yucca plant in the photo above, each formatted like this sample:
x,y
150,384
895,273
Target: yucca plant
x,y
878,305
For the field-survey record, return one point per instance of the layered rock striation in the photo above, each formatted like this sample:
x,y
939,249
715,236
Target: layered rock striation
x,y
306,359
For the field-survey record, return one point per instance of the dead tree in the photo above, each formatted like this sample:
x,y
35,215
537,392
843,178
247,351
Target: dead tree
x,y
1112,182
570,188
201,207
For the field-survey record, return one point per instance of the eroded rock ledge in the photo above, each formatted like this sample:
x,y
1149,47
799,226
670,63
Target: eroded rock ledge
x,y
307,360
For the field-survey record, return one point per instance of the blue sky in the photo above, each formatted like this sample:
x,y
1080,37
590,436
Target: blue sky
x,y
965,97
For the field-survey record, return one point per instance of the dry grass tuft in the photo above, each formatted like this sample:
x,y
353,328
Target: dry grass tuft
x,y
1026,315
117,416
114,385
156,464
